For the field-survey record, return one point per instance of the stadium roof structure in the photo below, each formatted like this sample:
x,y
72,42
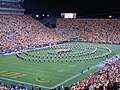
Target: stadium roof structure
x,y
11,7
81,7
13,0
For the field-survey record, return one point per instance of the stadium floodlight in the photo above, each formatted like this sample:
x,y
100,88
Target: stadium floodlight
x,y
48,15
37,16
43,15
110,16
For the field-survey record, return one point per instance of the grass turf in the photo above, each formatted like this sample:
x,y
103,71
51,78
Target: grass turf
x,y
50,74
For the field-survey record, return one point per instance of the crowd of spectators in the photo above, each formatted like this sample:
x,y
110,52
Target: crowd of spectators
x,y
22,31
16,86
91,30
12,86
107,78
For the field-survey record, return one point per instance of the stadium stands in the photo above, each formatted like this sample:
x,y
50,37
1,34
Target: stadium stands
x,y
18,32
90,30
11,7
12,86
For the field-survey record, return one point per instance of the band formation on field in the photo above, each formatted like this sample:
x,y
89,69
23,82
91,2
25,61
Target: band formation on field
x,y
65,53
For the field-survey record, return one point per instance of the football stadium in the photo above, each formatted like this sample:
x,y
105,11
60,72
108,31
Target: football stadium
x,y
78,54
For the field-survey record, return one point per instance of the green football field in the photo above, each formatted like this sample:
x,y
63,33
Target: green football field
x,y
55,66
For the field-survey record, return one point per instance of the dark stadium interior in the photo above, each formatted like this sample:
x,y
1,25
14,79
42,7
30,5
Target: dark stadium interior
x,y
81,7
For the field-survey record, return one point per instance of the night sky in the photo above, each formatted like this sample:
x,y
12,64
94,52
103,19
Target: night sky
x,y
81,7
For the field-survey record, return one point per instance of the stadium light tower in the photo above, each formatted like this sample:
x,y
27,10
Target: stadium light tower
x,y
43,15
110,16
37,16
48,15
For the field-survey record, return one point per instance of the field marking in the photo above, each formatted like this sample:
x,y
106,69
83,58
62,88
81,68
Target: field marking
x,y
24,82
19,76
8,73
13,74
61,70
2,71
2,74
